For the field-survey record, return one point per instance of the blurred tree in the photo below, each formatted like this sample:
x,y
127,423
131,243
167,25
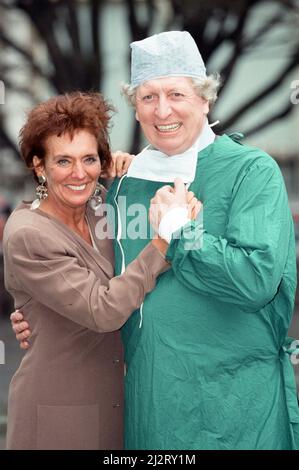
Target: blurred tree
x,y
236,26
76,59
74,63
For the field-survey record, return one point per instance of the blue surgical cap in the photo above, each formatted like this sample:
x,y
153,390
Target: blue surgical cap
x,y
168,54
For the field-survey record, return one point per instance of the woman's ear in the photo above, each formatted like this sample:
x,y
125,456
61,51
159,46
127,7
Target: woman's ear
x,y
38,166
136,116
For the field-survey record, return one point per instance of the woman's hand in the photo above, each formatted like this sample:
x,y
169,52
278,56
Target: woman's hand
x,y
20,328
119,165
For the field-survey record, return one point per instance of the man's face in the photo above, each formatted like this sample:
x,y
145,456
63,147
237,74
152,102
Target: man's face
x,y
170,113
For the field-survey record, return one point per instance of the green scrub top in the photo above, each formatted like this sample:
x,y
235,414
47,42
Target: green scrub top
x,y
207,355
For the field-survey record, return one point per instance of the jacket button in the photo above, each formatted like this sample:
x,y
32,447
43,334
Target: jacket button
x,y
116,405
115,361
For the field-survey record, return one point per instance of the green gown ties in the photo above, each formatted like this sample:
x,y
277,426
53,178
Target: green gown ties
x,y
207,368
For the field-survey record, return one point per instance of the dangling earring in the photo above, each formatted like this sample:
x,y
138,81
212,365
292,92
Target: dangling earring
x,y
41,192
95,201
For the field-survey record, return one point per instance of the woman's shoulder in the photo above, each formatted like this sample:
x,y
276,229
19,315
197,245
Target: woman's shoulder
x,y
21,217
29,225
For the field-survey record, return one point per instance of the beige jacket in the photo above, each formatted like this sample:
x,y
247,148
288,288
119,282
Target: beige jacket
x,y
68,390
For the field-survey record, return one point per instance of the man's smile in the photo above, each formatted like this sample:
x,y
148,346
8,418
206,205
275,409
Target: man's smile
x,y
168,127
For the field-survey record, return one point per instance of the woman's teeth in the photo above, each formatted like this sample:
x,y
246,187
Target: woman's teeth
x,y
77,188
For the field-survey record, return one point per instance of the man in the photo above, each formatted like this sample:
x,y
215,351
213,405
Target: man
x,y
206,355
206,365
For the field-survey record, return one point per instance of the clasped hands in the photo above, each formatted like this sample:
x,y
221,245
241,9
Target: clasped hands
x,y
169,198
165,200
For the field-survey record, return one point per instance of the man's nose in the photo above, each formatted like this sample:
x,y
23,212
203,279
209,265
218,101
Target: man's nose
x,y
163,108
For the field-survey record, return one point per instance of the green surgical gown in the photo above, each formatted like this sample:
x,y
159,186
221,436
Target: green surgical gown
x,y
208,358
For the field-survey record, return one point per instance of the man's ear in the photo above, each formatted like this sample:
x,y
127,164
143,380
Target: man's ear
x,y
206,106
38,166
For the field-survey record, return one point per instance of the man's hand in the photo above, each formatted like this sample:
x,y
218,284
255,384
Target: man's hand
x,y
168,198
20,328
119,165
194,205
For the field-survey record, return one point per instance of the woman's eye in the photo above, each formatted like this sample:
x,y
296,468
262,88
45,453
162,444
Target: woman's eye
x,y
91,160
176,94
62,162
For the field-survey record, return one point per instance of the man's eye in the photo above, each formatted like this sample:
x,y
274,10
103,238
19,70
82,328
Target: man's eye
x,y
148,98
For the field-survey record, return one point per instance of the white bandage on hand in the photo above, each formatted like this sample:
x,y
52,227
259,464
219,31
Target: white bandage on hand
x,y
172,221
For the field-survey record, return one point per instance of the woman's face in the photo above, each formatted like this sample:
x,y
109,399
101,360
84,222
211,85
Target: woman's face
x,y
72,168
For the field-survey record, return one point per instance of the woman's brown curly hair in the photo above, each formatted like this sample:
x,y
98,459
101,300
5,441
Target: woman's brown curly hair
x,y
66,114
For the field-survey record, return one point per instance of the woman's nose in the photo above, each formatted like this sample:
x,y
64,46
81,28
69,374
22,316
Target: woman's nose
x,y
79,171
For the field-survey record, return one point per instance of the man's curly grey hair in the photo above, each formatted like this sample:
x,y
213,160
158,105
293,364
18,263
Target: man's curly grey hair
x,y
206,87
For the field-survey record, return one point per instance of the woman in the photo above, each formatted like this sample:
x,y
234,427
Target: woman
x,y
67,392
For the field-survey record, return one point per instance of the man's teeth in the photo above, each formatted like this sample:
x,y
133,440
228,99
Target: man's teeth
x,y
169,127
77,188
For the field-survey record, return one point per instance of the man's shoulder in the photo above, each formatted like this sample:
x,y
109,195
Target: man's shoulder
x,y
130,186
242,153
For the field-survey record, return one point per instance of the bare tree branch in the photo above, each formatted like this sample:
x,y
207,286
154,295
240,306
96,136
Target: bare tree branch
x,y
138,31
264,29
282,113
95,35
236,37
6,142
266,91
61,77
23,90
73,27
26,55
